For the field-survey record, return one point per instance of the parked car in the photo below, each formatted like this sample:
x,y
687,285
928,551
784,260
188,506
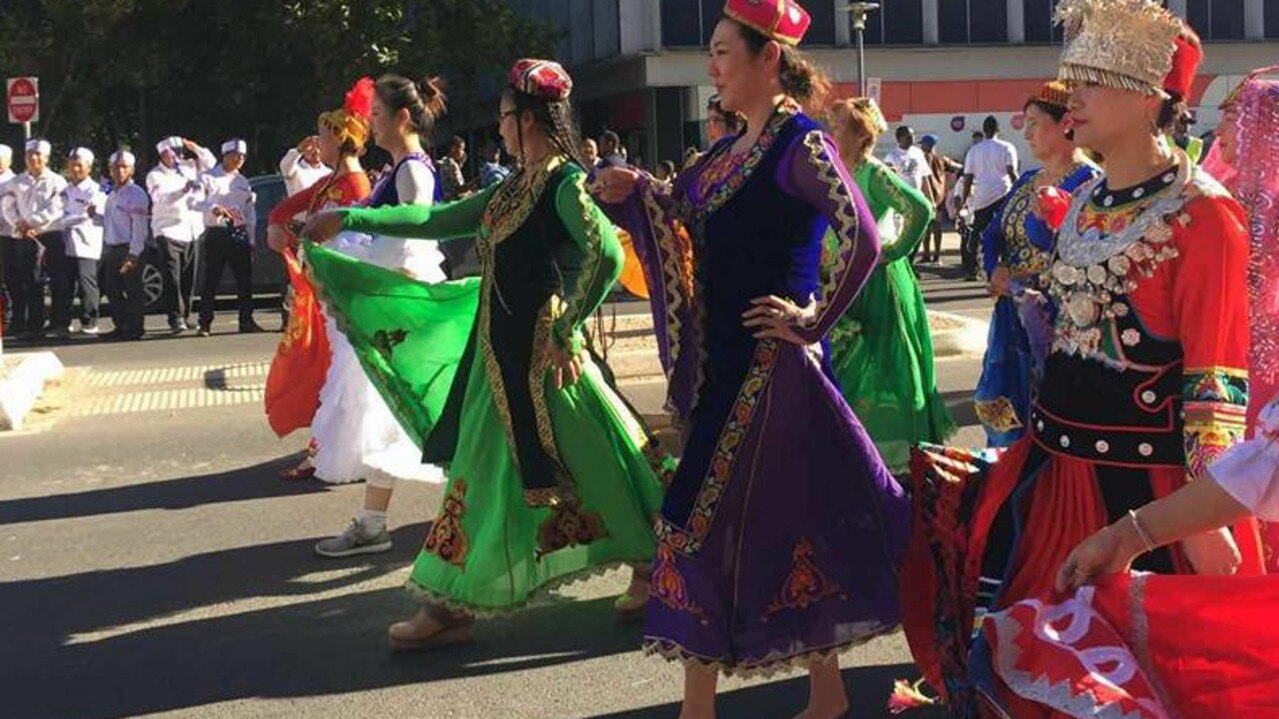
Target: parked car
x,y
269,277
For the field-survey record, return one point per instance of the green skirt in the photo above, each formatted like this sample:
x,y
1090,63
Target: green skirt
x,y
882,356
482,555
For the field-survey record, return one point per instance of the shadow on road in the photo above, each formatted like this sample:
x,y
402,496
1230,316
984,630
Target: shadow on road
x,y
868,689
246,483
963,413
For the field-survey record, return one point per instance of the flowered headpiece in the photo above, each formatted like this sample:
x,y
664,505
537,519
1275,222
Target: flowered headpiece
x,y
785,21
352,121
1053,92
544,79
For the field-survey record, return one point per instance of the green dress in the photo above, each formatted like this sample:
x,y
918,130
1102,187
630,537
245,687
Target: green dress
x,y
881,349
544,483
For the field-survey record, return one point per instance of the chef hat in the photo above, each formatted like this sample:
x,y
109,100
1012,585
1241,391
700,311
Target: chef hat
x,y
235,145
168,144
82,154
41,146
6,152
124,157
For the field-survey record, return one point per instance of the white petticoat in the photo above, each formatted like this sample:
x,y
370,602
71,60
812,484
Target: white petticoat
x,y
356,435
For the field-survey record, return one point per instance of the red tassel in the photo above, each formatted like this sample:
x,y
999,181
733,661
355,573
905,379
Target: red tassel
x,y
908,696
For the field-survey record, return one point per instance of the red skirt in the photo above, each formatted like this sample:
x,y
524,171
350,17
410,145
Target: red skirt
x,y
958,495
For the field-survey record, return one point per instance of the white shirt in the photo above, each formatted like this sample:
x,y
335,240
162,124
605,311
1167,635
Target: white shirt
x,y
6,229
988,162
125,218
232,192
298,173
911,164
422,259
82,229
36,200
175,198
1249,471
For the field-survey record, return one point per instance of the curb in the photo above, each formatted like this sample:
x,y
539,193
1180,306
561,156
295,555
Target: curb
x,y
22,386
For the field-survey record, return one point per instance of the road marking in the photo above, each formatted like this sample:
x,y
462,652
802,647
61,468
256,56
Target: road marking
x,y
170,375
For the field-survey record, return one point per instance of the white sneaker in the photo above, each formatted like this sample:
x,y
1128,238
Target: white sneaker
x,y
355,540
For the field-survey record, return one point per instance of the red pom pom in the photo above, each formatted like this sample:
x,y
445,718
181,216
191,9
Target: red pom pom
x,y
359,100
1053,206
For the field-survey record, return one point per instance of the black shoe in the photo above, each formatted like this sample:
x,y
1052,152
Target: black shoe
x,y
204,331
251,328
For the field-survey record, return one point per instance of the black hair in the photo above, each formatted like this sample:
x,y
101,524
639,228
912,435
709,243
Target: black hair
x,y
555,119
799,77
1173,109
608,137
455,142
903,130
990,126
1057,112
424,100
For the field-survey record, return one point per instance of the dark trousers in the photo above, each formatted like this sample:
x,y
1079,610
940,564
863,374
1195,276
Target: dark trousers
x,y
55,268
124,291
971,247
6,313
82,277
219,251
22,278
933,239
180,261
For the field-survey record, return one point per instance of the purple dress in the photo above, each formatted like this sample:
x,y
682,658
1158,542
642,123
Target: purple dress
x,y
781,530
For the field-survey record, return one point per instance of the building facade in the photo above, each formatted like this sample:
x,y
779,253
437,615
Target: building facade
x,y
941,66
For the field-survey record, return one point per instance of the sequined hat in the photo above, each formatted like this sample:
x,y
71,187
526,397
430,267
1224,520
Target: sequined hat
x,y
543,79
1053,92
1123,44
785,21
352,121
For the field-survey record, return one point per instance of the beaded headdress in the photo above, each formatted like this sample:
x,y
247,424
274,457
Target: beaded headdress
x,y
1124,44
352,121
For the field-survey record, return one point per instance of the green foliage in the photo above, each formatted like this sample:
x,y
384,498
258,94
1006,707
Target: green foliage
x,y
127,72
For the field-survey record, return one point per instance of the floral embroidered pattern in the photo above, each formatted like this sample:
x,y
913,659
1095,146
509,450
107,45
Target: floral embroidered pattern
x,y
668,585
384,341
805,586
569,525
446,539
688,540
542,411
1215,402
998,414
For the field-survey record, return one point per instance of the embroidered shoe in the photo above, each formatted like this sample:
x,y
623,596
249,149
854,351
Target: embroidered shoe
x,y
355,540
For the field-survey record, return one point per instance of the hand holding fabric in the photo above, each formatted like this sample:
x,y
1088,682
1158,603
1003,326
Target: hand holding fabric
x,y
322,227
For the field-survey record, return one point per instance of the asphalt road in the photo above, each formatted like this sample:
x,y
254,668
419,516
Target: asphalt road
x,y
152,564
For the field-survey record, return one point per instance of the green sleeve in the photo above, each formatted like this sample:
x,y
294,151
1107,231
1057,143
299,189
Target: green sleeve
x,y
596,264
889,190
443,222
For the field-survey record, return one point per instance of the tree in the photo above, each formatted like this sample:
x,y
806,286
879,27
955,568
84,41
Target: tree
x,y
128,72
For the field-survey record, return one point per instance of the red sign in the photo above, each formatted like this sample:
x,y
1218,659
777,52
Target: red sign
x,y
24,99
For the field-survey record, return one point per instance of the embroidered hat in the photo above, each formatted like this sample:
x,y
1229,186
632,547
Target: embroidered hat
x,y
1185,64
83,154
785,21
235,145
41,146
1123,44
123,157
543,79
1053,92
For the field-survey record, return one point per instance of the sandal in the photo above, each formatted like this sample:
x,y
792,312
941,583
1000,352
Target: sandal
x,y
298,473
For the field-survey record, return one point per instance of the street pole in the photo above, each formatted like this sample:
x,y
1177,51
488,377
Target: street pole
x,y
26,131
858,11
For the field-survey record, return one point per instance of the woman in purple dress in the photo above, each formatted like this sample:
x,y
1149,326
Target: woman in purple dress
x,y
781,530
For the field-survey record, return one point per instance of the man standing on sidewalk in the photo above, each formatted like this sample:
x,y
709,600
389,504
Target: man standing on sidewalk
x,y
301,166
935,190
83,206
230,220
176,221
124,239
989,173
36,214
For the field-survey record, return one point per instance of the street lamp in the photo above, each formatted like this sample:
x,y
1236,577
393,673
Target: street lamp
x,y
858,11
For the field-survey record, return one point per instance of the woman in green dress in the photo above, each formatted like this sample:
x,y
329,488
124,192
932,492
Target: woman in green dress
x,y
881,350
549,471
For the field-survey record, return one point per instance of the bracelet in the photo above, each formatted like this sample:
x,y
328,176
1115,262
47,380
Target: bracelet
x,y
1141,531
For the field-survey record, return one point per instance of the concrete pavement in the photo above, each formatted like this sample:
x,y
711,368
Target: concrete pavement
x,y
152,564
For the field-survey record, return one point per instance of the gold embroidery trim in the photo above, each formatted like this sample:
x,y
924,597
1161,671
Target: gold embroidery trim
x,y
845,222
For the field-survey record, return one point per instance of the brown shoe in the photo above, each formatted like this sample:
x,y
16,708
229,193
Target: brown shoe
x,y
431,628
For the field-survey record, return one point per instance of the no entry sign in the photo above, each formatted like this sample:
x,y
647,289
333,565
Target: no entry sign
x,y
23,99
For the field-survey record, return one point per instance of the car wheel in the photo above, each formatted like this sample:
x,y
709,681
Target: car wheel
x,y
152,285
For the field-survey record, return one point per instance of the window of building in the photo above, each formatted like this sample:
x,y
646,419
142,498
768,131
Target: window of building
x,y
680,28
1039,25
972,21
900,22
1216,19
711,11
1272,18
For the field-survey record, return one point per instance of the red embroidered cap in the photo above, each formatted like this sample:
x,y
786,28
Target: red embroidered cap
x,y
1185,64
785,21
543,79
